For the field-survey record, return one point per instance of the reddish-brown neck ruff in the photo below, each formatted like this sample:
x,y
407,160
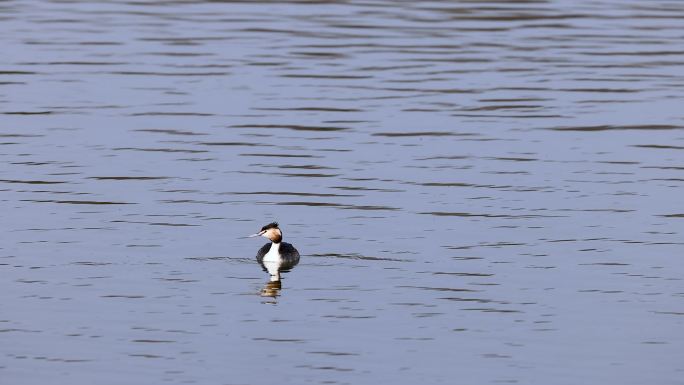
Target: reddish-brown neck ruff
x,y
274,234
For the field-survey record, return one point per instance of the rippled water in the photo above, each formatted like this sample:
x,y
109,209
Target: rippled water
x,y
482,192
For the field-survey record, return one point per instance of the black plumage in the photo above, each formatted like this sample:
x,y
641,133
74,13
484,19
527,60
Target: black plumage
x,y
289,256
272,225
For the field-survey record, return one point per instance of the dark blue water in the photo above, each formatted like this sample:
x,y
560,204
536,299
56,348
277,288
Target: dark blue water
x,y
482,192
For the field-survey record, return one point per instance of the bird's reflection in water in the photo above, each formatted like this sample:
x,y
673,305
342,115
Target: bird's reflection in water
x,y
275,268
271,289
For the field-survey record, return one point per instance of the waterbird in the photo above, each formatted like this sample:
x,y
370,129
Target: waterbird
x,y
277,255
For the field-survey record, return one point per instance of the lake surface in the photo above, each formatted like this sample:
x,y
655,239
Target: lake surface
x,y
482,192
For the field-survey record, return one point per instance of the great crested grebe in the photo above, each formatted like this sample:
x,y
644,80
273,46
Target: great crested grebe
x,y
276,256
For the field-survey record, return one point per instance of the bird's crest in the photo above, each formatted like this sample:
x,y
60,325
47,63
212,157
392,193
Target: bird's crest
x,y
272,225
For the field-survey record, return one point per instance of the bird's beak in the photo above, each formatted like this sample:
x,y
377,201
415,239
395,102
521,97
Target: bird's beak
x,y
257,234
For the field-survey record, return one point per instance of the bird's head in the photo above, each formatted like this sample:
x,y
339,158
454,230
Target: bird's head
x,y
270,231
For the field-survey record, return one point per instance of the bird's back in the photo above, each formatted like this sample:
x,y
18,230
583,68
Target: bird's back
x,y
289,254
